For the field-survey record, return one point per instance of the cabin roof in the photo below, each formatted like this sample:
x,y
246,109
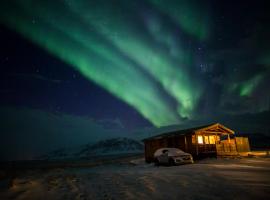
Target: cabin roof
x,y
188,131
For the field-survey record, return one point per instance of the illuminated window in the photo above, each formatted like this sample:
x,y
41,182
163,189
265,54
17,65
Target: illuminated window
x,y
206,140
212,139
200,139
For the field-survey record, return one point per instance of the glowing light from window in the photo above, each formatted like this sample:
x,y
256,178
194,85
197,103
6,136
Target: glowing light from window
x,y
200,139
212,139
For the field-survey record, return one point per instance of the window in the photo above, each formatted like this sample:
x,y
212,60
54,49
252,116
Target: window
x,y
206,139
200,139
212,139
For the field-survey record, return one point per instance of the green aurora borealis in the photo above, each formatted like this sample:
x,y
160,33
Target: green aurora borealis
x,y
71,33
136,56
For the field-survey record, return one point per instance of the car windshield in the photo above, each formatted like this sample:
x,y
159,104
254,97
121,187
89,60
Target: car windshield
x,y
178,151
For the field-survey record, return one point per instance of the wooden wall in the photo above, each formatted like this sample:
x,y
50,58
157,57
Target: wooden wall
x,y
233,146
188,144
242,144
226,147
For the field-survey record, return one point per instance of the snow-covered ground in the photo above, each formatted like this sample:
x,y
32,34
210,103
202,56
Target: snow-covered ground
x,y
247,178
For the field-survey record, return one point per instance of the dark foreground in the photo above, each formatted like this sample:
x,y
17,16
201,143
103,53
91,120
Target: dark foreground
x,y
247,178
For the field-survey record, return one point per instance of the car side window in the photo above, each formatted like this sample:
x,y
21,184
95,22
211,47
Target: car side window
x,y
165,152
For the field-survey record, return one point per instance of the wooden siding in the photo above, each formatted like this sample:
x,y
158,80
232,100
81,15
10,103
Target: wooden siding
x,y
226,147
188,142
242,144
233,146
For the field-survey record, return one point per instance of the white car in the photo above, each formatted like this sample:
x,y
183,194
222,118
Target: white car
x,y
172,156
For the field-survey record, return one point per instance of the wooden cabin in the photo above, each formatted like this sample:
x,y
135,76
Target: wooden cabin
x,y
209,140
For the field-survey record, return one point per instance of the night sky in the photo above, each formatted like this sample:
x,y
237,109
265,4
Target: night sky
x,y
76,71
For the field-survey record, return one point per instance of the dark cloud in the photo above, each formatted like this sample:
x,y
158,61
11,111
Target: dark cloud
x,y
249,122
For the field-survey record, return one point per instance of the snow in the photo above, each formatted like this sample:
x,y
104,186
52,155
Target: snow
x,y
171,152
247,178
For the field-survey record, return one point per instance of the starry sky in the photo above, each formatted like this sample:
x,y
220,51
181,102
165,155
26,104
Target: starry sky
x,y
76,71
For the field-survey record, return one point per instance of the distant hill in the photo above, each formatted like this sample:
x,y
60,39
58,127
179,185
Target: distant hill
x,y
114,146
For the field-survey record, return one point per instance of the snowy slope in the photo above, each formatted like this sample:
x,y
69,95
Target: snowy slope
x,y
111,147
114,146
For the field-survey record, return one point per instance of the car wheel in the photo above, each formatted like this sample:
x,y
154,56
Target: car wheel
x,y
171,162
156,162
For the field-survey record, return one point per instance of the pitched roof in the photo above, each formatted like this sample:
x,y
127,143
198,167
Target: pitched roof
x,y
182,132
